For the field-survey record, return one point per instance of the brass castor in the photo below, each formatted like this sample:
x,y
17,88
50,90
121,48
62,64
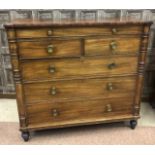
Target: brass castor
x,y
25,136
133,124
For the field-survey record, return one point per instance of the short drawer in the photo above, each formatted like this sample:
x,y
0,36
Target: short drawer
x,y
74,31
80,111
49,48
79,89
108,46
74,68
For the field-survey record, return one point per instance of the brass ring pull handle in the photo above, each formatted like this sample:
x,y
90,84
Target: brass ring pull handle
x,y
109,86
114,30
53,91
50,49
112,65
108,108
51,69
113,45
55,112
49,32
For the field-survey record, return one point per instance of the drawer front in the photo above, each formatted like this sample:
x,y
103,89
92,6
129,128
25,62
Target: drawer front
x,y
79,89
106,46
53,48
74,31
70,112
73,68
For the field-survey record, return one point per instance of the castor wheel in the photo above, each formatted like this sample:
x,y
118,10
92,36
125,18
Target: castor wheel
x,y
133,124
25,136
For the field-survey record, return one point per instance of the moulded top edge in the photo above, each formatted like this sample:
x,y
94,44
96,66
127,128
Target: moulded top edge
x,y
57,23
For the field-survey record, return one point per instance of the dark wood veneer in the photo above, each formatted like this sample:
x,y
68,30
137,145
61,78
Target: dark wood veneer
x,y
70,73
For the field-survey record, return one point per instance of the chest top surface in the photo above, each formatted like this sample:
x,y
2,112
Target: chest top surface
x,y
59,23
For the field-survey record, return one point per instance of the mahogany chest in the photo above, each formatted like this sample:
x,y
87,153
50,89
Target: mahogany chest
x,y
70,73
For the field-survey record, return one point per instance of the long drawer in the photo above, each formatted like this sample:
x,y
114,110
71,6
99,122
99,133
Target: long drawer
x,y
80,111
79,89
70,68
74,31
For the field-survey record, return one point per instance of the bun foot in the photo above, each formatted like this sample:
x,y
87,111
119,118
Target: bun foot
x,y
25,136
133,124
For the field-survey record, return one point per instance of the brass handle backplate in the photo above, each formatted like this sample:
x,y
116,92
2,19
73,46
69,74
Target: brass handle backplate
x,y
55,112
50,49
112,65
51,69
49,32
53,91
114,30
109,86
108,108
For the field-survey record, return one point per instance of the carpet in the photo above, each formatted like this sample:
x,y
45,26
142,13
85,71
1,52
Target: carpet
x,y
112,133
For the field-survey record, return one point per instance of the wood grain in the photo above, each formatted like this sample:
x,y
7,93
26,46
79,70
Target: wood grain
x,y
101,46
73,123
61,48
92,47
67,68
141,65
77,31
18,84
79,89
84,81
80,110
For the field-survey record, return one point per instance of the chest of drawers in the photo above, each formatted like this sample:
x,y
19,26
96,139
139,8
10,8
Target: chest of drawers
x,y
77,73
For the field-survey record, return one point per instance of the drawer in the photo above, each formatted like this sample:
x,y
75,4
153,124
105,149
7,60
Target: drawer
x,y
49,48
79,89
74,31
106,46
75,68
79,111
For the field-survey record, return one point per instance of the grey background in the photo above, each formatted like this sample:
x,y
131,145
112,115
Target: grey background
x,y
6,79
